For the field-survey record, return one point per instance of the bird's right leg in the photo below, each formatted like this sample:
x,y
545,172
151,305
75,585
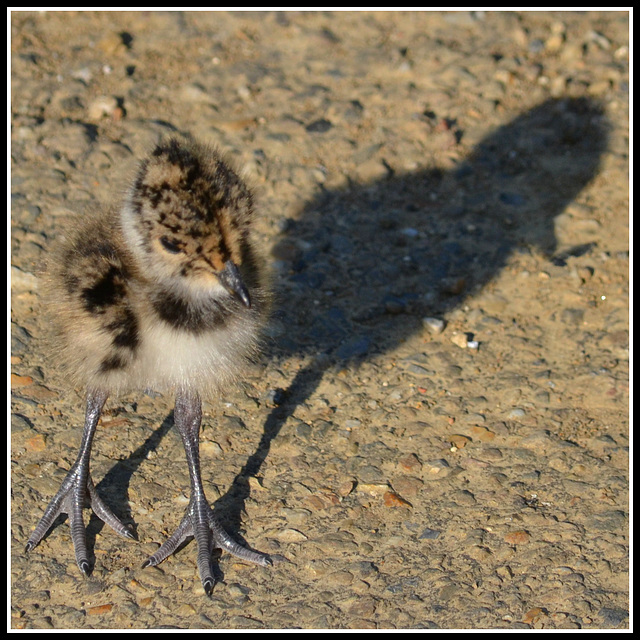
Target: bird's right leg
x,y
199,521
75,490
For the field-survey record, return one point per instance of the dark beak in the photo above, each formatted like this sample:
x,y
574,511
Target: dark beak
x,y
232,281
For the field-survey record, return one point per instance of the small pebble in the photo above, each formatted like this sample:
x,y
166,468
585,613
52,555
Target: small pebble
x,y
482,433
533,615
22,280
372,489
99,609
84,75
417,370
517,537
458,441
20,381
291,535
572,316
464,498
536,46
602,41
392,499
613,617
346,488
460,339
434,325
102,106
407,485
410,462
435,467
36,443
319,126
554,43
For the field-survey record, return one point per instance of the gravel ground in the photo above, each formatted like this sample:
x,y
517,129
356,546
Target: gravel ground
x,y
437,435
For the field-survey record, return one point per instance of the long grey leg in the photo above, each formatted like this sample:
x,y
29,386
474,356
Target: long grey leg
x,y
199,521
76,488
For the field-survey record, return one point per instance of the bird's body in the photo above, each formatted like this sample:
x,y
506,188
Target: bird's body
x,y
119,309
163,292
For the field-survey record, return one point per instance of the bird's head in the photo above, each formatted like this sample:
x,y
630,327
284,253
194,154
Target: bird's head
x,y
186,220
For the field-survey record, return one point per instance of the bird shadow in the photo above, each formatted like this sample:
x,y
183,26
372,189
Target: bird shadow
x,y
362,265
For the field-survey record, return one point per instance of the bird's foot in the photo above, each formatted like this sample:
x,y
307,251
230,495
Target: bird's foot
x,y
70,499
200,523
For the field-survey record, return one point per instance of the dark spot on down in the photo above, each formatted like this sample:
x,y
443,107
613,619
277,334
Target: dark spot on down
x,y
125,331
179,314
177,154
101,248
107,291
71,282
112,363
223,250
155,196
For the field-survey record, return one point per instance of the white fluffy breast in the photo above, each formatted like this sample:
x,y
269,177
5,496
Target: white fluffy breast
x,y
206,362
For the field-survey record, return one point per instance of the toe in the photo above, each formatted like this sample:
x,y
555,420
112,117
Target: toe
x,y
207,584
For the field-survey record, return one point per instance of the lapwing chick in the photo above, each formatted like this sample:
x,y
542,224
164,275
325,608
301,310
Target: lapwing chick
x,y
164,292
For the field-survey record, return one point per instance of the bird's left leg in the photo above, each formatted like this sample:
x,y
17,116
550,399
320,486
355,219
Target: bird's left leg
x,y
75,490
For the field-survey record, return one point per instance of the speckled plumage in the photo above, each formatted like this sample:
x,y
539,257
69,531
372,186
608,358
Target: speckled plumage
x,y
165,291
132,284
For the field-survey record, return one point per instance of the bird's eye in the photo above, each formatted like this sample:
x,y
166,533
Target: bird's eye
x,y
170,245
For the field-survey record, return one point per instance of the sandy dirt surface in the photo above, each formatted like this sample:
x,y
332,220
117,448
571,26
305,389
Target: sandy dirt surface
x,y
437,435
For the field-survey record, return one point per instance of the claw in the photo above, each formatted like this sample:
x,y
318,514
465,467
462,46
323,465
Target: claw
x,y
207,584
67,501
200,523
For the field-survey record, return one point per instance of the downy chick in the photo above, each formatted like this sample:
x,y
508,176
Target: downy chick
x,y
164,292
